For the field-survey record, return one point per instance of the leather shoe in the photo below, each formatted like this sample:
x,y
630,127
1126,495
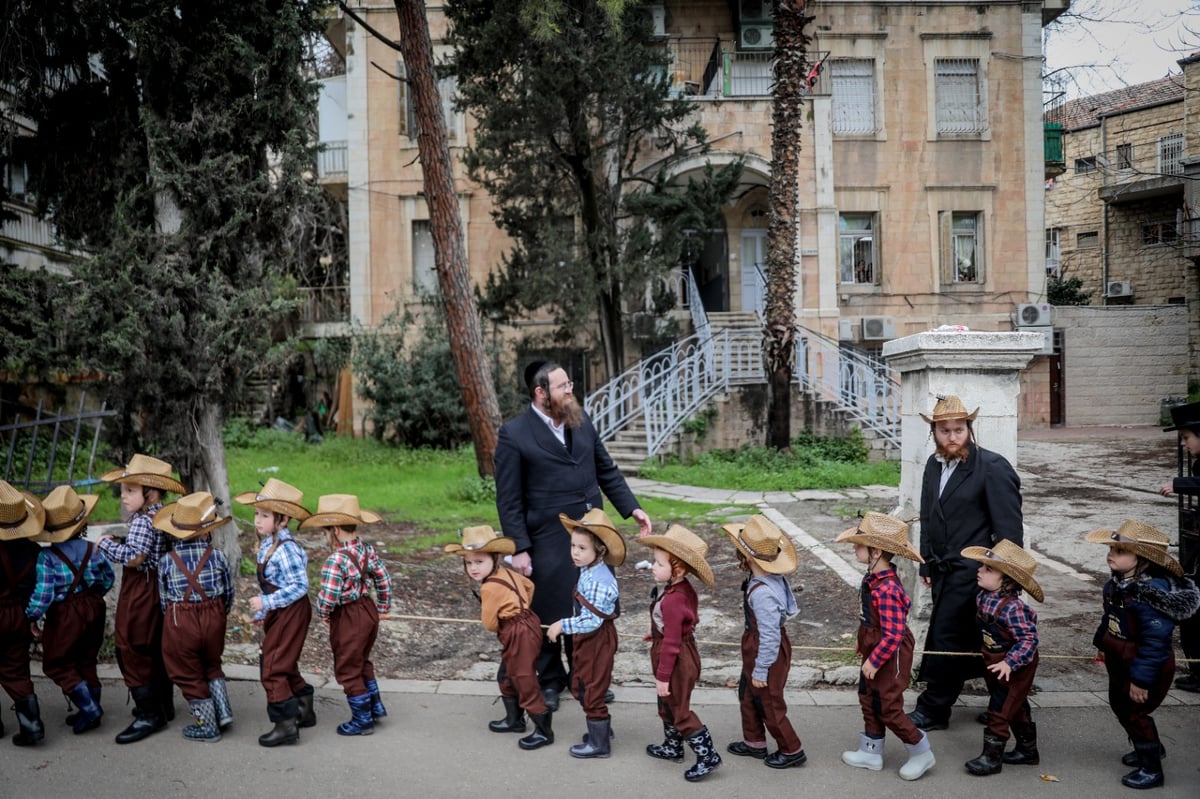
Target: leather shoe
x,y
550,697
924,721
1188,682
742,749
780,760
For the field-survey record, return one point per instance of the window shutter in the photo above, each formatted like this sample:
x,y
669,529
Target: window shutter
x,y
405,111
945,244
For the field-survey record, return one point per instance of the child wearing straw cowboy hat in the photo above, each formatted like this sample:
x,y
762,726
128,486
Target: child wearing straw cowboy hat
x,y
138,624
886,646
282,608
505,597
344,603
1010,653
1143,600
21,518
767,603
196,586
674,613
595,547
72,579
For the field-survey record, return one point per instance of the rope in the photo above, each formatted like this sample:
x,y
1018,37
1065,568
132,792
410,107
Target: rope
x,y
708,642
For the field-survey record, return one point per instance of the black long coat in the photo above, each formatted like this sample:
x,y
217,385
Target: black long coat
x,y
980,505
537,478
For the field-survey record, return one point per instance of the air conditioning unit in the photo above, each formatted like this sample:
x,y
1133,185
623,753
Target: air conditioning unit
x,y
845,330
1119,288
1030,314
754,10
878,328
756,37
656,13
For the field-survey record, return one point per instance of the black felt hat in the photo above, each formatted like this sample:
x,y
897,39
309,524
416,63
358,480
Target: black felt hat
x,y
1185,417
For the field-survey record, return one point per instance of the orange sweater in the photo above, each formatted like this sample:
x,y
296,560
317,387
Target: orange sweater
x,y
499,599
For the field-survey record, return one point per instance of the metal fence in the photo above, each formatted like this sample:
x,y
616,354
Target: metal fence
x,y
50,450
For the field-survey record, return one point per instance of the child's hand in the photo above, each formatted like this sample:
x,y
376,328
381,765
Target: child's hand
x,y
256,604
927,582
661,688
1167,490
136,561
1002,670
648,637
868,670
1099,656
758,683
1138,695
554,631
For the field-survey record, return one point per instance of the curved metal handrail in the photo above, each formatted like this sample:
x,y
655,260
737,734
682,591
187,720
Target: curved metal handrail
x,y
862,386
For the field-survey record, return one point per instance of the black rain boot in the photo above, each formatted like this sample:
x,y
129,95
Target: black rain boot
x,y
1149,774
29,719
991,760
1025,753
597,743
148,717
94,689
164,692
1131,758
514,718
542,735
88,717
286,716
707,757
308,717
672,746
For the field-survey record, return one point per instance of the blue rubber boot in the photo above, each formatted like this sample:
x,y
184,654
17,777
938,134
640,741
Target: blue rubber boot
x,y
378,711
88,717
361,722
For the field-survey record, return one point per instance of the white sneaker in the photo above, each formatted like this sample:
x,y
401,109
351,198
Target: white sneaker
x,y
869,754
920,759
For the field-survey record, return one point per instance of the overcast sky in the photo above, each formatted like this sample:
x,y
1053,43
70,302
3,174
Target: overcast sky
x,y
1129,42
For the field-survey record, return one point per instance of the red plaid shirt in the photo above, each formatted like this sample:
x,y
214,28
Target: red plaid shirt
x,y
891,603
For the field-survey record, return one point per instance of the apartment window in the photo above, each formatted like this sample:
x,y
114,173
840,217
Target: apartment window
x,y
425,281
1124,156
1053,252
853,85
962,246
447,88
856,248
1085,165
1170,154
16,179
958,97
1087,240
1163,232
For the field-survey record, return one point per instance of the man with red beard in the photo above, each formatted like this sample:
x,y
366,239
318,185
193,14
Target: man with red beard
x,y
550,460
969,497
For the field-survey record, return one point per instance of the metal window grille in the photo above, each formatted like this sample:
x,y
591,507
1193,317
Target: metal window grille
x,y
1162,232
447,88
424,270
958,97
964,251
1124,156
1053,251
853,85
1170,154
856,248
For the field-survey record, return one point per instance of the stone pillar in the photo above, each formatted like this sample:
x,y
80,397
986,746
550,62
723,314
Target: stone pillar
x,y
983,370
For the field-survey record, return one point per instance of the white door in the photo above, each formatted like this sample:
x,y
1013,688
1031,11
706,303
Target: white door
x,y
753,254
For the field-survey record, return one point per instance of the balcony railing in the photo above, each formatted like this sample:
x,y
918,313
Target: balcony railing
x,y
713,67
325,304
332,161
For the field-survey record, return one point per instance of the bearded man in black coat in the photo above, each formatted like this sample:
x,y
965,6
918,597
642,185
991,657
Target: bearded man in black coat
x,y
550,460
969,497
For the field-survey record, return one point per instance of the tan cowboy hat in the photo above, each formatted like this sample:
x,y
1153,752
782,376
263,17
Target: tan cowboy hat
x,y
66,514
482,539
21,513
146,471
685,545
1140,539
947,408
339,510
759,538
598,524
277,497
192,516
1006,557
882,532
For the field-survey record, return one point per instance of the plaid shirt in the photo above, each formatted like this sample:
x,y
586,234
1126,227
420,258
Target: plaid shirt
x,y
892,604
287,570
598,586
215,578
54,577
343,579
143,538
1018,619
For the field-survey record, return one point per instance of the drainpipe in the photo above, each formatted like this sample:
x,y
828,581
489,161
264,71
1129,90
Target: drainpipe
x,y
1104,213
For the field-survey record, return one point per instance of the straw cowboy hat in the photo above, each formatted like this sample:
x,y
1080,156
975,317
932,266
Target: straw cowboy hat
x,y
277,497
339,510
948,408
482,539
21,513
685,545
66,514
598,524
1008,558
146,471
882,532
191,517
761,540
1140,539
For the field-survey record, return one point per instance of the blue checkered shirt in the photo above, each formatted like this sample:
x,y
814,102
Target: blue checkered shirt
x,y
143,538
54,577
287,570
215,578
598,586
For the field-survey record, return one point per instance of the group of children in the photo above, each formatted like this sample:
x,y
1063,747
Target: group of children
x,y
175,596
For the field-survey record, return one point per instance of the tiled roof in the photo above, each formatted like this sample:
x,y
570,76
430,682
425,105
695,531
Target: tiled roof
x,y
1084,112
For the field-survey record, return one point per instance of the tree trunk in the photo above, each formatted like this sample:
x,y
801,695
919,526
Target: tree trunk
x,y
779,345
214,477
471,363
